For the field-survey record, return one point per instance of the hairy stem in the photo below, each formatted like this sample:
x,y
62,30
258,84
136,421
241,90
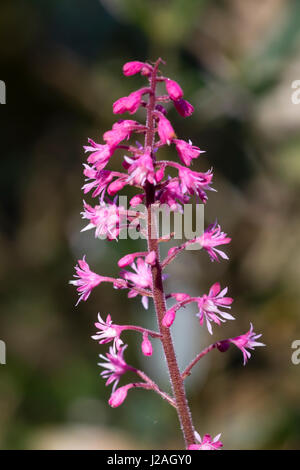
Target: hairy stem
x,y
199,356
182,407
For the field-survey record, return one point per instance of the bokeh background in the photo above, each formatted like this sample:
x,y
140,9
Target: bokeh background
x,y
61,61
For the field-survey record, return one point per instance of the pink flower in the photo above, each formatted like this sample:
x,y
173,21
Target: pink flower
x,y
193,182
105,218
207,443
100,154
186,151
211,238
165,130
183,107
121,130
130,103
131,68
141,170
96,179
169,318
119,395
174,90
108,332
248,340
140,278
86,281
209,306
115,366
171,194
147,349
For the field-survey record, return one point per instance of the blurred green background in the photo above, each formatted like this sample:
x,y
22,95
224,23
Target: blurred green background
x,y
61,61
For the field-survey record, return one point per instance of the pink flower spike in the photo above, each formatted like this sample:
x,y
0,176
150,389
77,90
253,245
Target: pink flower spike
x,y
165,130
187,151
248,340
86,281
146,345
208,307
108,332
132,68
174,90
184,108
119,395
151,258
115,365
207,443
212,237
169,318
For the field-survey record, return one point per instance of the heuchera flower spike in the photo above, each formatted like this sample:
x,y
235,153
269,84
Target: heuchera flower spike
x,y
142,168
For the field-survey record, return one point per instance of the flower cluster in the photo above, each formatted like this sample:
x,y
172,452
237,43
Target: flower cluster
x,y
143,169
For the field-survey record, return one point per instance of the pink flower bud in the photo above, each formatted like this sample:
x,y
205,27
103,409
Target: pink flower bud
x,y
184,108
115,187
146,346
165,130
160,174
137,199
169,318
117,397
129,103
126,260
174,90
131,68
151,258
180,296
161,109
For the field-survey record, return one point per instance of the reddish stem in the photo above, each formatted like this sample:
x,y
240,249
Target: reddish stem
x,y
199,356
182,407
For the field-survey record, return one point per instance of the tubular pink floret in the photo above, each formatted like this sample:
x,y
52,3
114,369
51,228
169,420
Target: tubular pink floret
x,y
165,130
169,318
146,345
134,67
207,443
184,108
119,395
174,89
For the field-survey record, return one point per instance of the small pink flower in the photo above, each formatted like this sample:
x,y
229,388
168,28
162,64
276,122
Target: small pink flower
x,y
193,182
141,170
132,68
130,103
115,366
169,318
108,332
165,130
209,306
119,395
172,195
207,443
186,151
183,107
86,281
174,90
137,199
248,340
121,130
211,238
96,179
105,218
147,349
140,278
100,154
151,258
